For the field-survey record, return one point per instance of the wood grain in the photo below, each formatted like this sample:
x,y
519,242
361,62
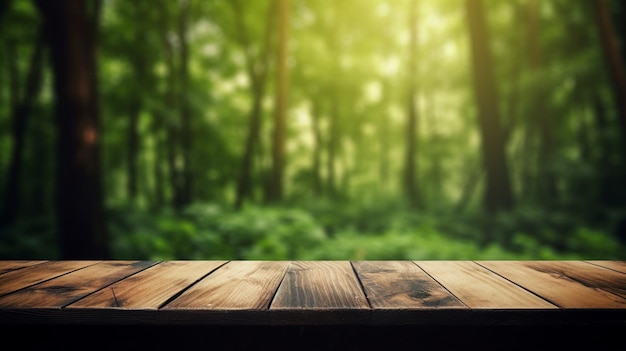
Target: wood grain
x,y
8,266
402,285
22,278
150,288
592,276
320,285
478,288
65,289
561,282
619,266
238,285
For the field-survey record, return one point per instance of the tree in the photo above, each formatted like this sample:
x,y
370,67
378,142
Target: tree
x,y
71,26
541,121
613,59
498,195
21,114
410,165
186,138
257,68
275,188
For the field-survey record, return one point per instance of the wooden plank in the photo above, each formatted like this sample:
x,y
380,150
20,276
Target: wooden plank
x,y
557,282
65,289
150,288
238,285
8,266
320,285
590,275
619,266
402,285
19,279
478,288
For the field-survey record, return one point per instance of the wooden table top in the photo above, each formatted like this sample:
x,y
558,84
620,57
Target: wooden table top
x,y
313,292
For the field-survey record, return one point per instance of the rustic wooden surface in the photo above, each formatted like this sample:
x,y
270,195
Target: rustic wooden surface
x,y
302,293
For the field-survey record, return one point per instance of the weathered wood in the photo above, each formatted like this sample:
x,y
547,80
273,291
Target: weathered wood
x,y
328,294
479,288
19,279
150,288
8,266
319,285
238,285
619,266
565,283
65,289
402,285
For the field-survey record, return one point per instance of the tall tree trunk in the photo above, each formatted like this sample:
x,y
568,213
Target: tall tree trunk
x,y
317,147
332,143
186,138
384,139
171,119
257,72
133,147
498,195
613,59
80,217
276,186
410,162
547,181
139,63
159,149
435,153
21,112
615,174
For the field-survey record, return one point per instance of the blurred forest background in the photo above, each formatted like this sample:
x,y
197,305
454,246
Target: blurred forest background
x,y
312,129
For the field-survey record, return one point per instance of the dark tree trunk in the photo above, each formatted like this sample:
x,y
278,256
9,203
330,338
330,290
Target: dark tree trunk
x,y
546,181
332,143
613,60
317,148
498,194
139,63
276,186
171,118
257,72
70,25
384,139
159,184
410,162
21,114
133,147
186,137
615,174
435,153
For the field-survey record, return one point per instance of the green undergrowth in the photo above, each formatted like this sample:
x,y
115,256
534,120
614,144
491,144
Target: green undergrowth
x,y
322,231
210,231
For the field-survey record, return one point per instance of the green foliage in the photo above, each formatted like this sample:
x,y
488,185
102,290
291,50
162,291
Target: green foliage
x,y
210,231
346,132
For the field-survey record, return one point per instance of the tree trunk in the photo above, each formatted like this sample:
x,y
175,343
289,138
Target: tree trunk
x,y
21,112
613,60
332,143
547,181
133,148
498,194
317,148
257,73
186,137
80,217
276,186
410,162
171,120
